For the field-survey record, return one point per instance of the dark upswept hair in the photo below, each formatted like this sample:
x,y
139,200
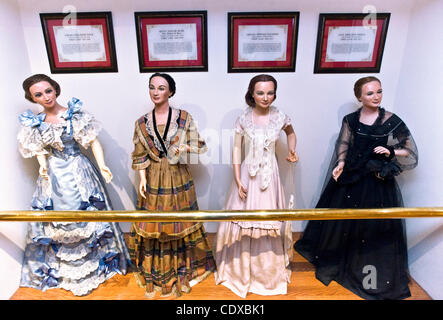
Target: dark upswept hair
x,y
36,78
168,78
259,78
362,81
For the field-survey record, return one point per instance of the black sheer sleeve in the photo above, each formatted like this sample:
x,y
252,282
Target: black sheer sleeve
x,y
342,144
401,139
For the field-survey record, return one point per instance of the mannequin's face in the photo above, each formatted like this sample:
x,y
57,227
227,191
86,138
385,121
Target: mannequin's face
x,y
264,94
159,90
371,94
44,94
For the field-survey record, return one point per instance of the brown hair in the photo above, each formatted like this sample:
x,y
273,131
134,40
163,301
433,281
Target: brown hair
x,y
260,78
362,81
168,78
36,78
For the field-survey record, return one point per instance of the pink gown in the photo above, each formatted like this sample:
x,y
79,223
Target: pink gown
x,y
254,256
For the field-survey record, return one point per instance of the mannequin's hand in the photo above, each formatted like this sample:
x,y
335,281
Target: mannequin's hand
x,y
292,157
382,150
338,170
142,187
182,148
106,173
43,171
242,191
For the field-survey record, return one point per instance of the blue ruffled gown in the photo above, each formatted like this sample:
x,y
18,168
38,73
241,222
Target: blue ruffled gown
x,y
76,256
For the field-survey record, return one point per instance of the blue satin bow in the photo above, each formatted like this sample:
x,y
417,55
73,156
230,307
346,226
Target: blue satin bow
x,y
29,119
38,204
73,107
96,200
50,276
109,263
45,241
101,238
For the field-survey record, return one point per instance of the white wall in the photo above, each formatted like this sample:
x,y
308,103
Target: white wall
x,y
418,99
216,98
16,174
315,102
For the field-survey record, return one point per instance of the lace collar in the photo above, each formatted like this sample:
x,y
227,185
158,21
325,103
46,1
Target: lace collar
x,y
173,127
273,127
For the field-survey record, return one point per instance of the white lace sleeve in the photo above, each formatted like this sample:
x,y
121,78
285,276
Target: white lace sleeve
x,y
30,142
238,126
286,122
85,128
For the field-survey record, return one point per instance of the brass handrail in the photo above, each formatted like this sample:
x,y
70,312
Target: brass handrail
x,y
221,215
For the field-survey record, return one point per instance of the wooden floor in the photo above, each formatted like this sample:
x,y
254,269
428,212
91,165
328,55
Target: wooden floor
x,y
303,286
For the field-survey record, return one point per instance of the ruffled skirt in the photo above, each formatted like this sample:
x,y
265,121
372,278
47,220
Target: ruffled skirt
x,y
170,256
76,256
255,256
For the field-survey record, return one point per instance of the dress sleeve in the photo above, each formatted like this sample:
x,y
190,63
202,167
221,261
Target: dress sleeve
x,y
286,122
238,126
85,128
343,141
401,139
193,139
30,142
140,158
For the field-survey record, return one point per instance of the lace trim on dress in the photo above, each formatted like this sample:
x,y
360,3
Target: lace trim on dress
x,y
173,127
71,254
266,225
85,128
76,235
51,134
86,266
30,142
78,272
34,139
261,150
81,250
86,286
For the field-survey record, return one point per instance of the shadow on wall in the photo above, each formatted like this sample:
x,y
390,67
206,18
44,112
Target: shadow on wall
x,y
199,171
324,177
30,167
426,245
223,176
13,250
118,161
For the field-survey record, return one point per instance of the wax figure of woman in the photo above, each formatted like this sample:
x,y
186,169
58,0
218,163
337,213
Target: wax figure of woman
x,y
368,257
254,256
170,256
76,256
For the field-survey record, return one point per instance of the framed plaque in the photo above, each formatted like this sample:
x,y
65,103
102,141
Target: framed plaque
x,y
79,42
262,41
172,41
350,42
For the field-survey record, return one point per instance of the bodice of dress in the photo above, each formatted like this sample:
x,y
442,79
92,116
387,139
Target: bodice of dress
x,y
151,145
260,142
66,165
172,129
70,146
37,137
358,141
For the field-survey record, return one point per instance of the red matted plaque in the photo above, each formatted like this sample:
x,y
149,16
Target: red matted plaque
x,y
79,42
350,42
172,41
262,41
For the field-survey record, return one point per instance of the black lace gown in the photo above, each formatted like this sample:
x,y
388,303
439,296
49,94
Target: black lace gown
x,y
368,257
